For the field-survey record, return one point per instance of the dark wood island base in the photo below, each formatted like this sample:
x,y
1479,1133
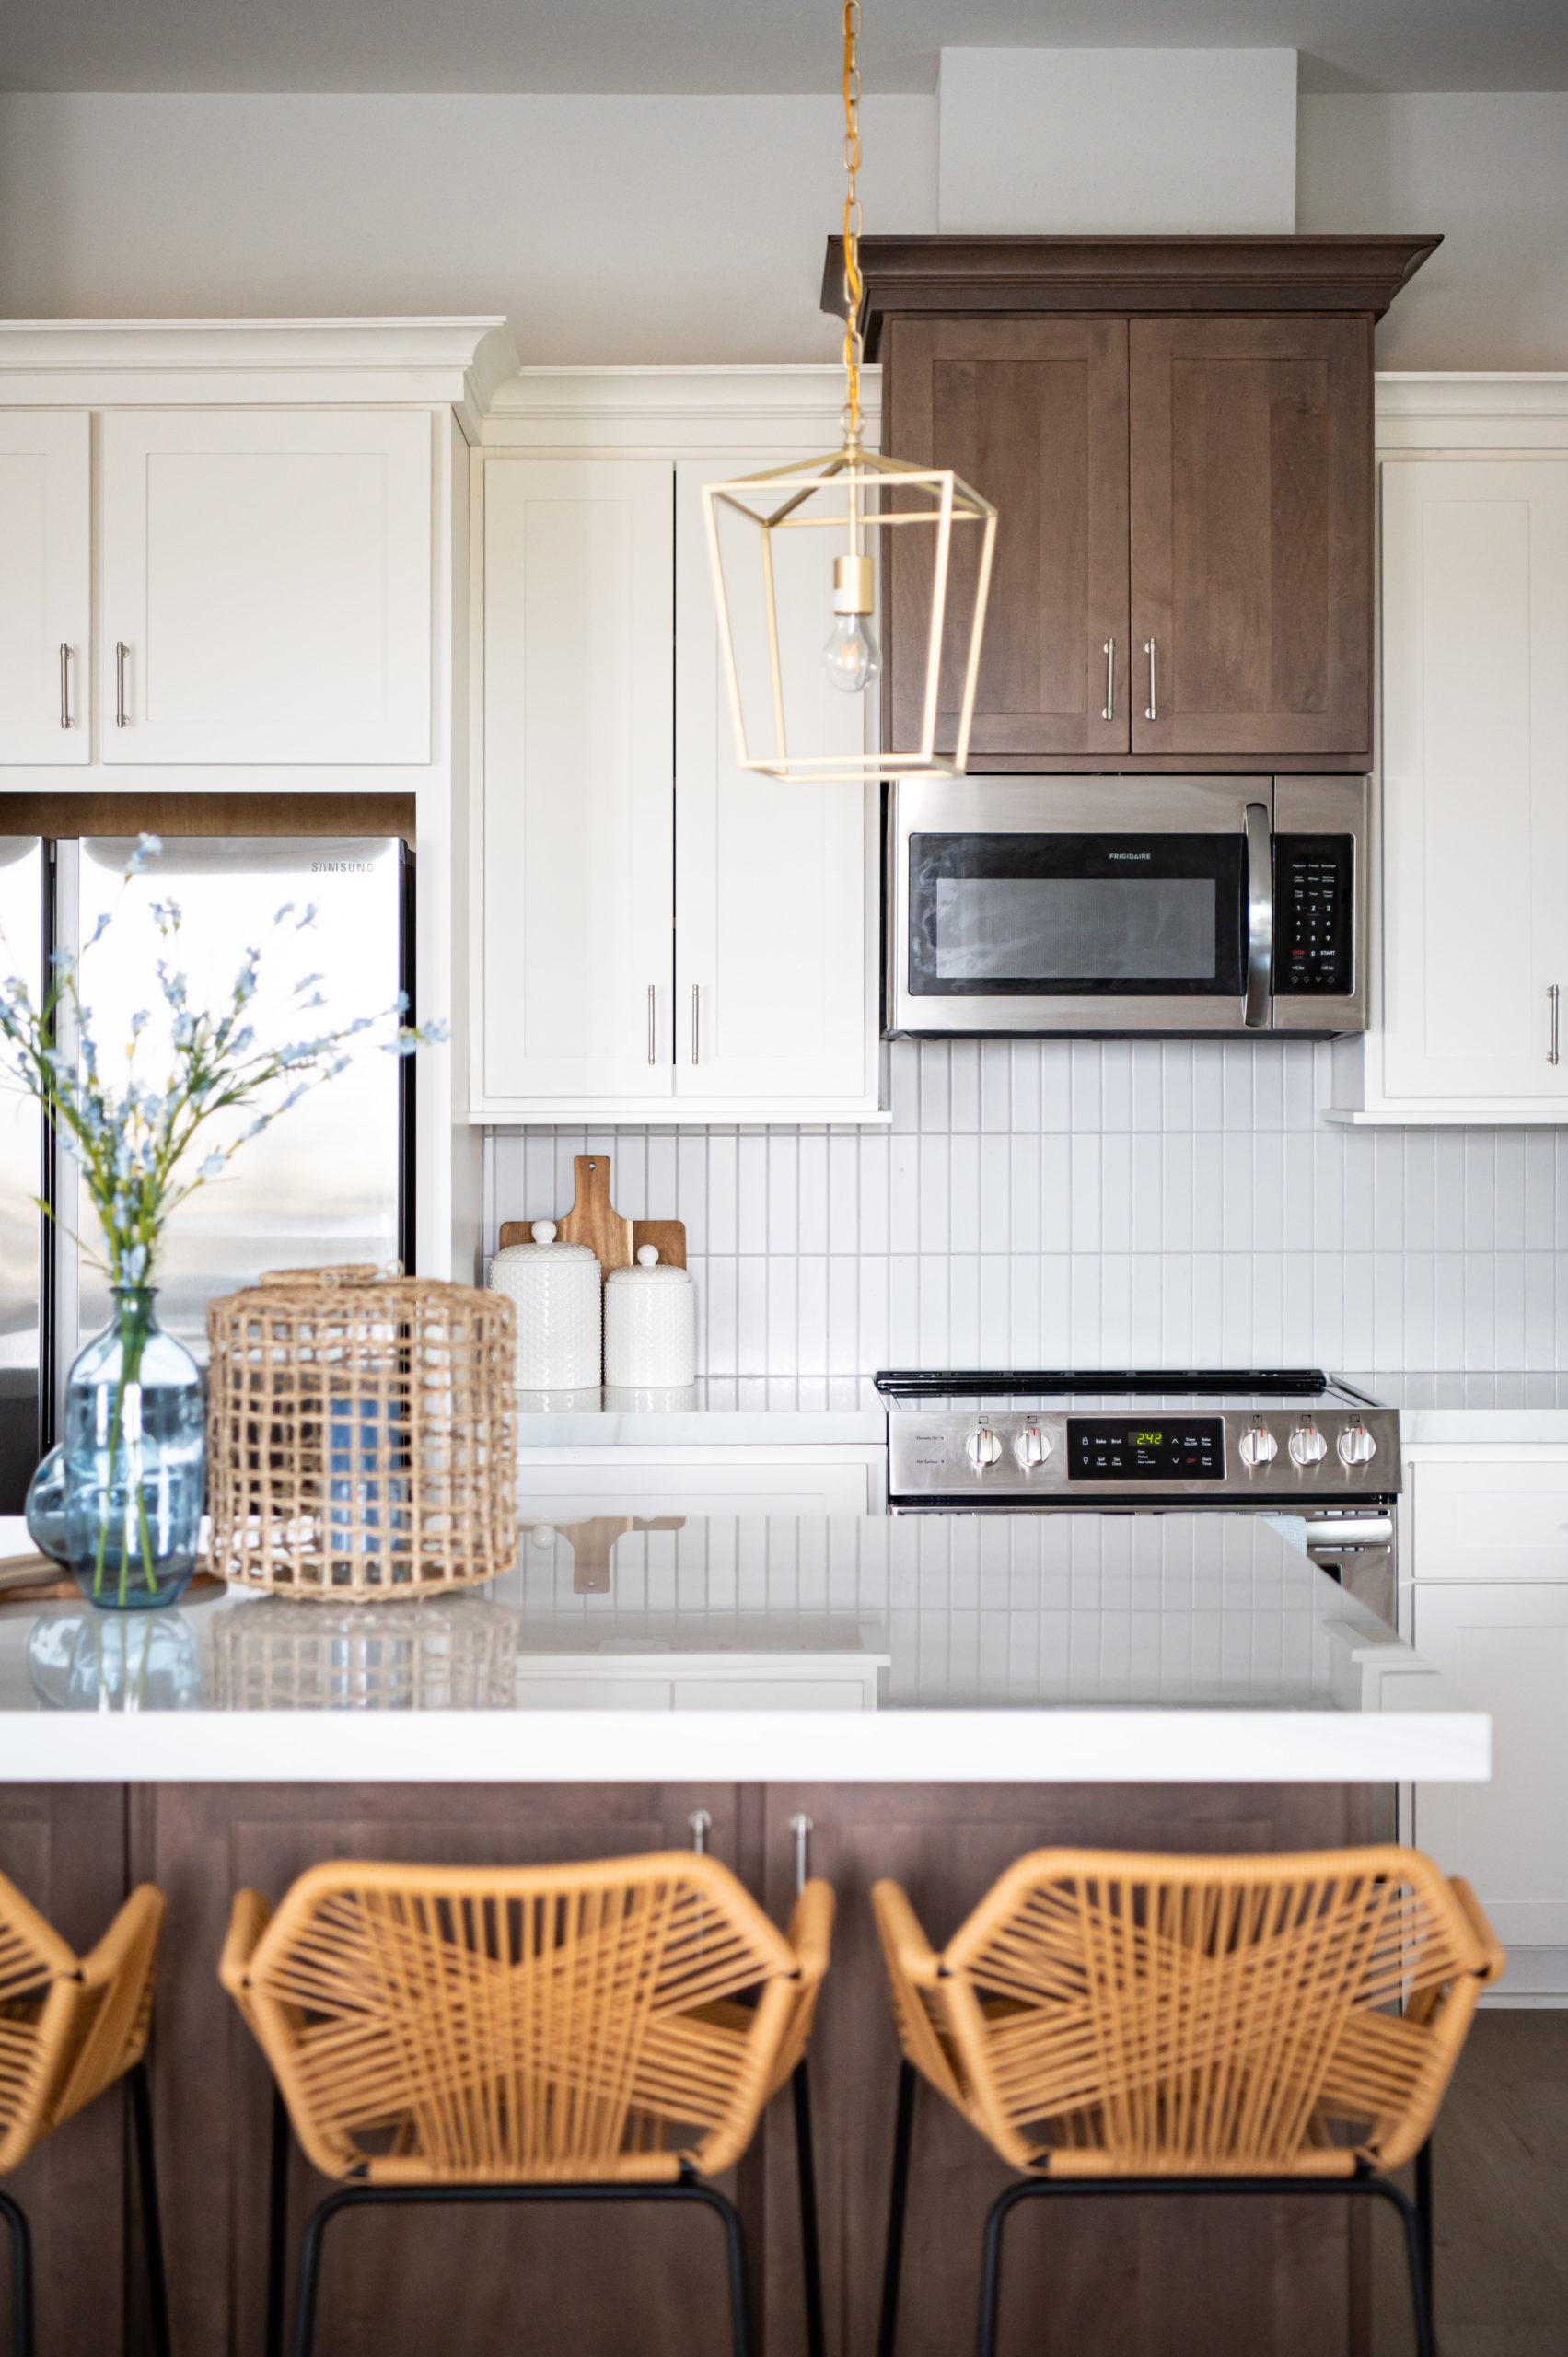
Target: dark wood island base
x,y
1261,2279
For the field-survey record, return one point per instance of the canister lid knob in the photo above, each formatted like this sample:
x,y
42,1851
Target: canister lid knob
x,y
648,1255
544,1231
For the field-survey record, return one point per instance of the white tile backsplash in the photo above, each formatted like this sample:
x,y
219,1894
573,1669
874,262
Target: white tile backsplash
x,y
1092,1203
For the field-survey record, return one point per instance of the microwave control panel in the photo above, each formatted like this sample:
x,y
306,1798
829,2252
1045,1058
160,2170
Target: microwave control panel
x,y
1314,906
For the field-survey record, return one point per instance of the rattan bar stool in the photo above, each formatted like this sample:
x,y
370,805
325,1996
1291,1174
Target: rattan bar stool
x,y
599,2032
70,2026
1116,2024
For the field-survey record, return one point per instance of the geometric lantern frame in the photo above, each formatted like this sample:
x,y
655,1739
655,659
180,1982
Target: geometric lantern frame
x,y
849,493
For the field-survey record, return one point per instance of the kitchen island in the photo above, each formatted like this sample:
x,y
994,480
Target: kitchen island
x,y
937,1693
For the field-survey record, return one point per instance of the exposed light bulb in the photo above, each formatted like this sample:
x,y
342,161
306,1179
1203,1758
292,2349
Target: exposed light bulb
x,y
851,657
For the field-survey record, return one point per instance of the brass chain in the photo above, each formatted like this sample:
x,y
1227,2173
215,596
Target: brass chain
x,y
853,289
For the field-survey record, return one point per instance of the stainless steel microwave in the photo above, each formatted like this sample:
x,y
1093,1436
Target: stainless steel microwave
x,y
1158,905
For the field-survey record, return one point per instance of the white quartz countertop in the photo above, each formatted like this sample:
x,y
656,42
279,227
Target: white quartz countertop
x,y
1074,1647
734,1411
1507,1408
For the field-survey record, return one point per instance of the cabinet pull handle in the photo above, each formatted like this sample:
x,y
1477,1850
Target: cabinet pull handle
x,y
696,1024
1554,995
1153,711
120,652
653,1025
1109,653
64,685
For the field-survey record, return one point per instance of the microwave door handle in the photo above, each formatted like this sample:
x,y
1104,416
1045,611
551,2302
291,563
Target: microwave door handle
x,y
1259,916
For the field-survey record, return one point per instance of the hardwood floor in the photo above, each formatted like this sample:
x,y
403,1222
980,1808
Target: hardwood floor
x,y
1502,2192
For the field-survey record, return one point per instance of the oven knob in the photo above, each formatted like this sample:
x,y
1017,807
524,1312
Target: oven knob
x,y
1258,1445
1357,1445
1308,1446
1031,1448
981,1448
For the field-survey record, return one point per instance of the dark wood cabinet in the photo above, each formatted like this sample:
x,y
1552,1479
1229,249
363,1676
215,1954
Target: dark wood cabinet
x,y
1041,406
1185,479
1250,509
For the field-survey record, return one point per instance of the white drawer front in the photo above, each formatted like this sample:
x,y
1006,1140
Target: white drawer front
x,y
1489,1522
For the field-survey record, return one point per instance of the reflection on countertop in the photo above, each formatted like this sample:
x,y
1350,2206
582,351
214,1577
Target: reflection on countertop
x,y
956,1612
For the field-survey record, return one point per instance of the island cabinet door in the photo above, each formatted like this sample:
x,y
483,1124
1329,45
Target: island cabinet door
x,y
1251,533
1161,2279
266,587
775,914
63,1847
1032,414
44,586
576,841
595,2281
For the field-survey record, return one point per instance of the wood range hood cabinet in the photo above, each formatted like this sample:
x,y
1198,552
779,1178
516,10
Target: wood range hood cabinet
x,y
1177,435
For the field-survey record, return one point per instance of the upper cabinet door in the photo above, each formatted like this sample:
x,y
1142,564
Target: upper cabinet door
x,y
776,991
1251,505
1475,778
576,841
266,586
1031,414
44,586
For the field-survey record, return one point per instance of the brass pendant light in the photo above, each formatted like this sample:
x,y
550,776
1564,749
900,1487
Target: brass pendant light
x,y
771,581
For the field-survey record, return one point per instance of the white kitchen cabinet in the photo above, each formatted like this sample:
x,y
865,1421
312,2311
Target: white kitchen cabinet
x,y
772,975
266,587
657,925
1488,1545
1471,1020
577,843
45,577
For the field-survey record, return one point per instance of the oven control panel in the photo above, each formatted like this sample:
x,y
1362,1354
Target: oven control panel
x,y
1162,1448
1314,915
1283,1455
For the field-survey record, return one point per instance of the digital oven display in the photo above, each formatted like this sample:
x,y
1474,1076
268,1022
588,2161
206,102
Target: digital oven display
x,y
1105,1449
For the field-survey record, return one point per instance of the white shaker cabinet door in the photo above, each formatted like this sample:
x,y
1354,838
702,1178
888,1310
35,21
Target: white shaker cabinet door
x,y
577,841
1505,1648
44,586
266,586
1475,779
775,988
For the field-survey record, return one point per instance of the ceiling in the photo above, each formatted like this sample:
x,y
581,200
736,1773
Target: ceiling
x,y
625,46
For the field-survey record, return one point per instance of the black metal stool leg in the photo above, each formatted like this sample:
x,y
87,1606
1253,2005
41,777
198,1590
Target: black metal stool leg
x,y
898,2202
1423,2211
21,2275
277,2225
152,2219
810,2238
1410,2218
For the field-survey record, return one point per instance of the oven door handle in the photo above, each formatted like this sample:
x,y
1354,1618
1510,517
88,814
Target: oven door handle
x,y
1259,916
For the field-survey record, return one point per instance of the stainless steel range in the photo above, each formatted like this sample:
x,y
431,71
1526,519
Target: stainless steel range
x,y
1286,1440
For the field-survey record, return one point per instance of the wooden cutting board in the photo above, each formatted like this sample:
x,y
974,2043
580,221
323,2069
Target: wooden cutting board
x,y
592,1221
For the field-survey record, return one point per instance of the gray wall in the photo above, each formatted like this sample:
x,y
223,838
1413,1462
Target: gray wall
x,y
675,229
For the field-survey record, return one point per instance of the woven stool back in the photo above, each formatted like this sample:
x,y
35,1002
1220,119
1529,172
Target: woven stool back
x,y
603,2021
1104,2014
360,1435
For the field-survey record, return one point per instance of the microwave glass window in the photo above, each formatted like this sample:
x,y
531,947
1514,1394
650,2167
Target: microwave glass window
x,y
1069,928
1034,915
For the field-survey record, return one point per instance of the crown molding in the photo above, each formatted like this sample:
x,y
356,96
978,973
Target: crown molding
x,y
1471,410
754,406
172,363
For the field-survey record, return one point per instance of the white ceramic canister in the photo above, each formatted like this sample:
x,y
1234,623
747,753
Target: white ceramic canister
x,y
650,1323
555,1289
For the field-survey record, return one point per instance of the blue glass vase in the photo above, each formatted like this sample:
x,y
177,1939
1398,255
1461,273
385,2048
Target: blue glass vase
x,y
119,1500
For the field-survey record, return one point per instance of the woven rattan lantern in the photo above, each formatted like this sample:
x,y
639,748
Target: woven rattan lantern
x,y
360,1435
795,553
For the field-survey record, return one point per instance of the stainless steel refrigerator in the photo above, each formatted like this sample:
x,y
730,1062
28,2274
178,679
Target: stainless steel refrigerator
x,y
331,1181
